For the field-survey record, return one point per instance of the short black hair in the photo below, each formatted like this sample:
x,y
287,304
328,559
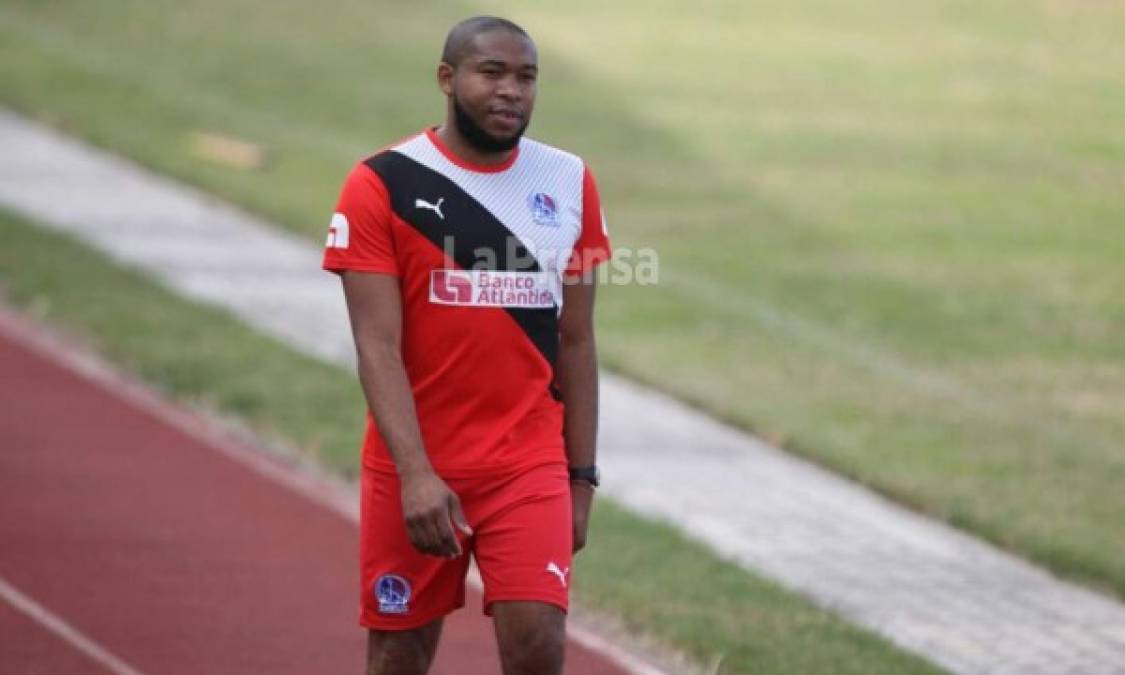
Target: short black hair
x,y
460,38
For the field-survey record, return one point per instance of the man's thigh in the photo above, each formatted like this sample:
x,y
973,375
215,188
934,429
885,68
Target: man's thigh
x,y
401,588
531,637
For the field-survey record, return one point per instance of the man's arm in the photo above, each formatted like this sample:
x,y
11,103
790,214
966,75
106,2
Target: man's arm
x,y
430,508
578,382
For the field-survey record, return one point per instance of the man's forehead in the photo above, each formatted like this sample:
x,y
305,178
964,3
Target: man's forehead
x,y
503,46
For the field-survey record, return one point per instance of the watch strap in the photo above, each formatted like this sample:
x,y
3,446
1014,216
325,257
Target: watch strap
x,y
590,474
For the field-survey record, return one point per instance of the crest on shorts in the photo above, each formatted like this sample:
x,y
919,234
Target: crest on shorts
x,y
393,594
544,211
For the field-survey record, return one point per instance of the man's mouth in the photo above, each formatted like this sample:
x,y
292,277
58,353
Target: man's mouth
x,y
507,114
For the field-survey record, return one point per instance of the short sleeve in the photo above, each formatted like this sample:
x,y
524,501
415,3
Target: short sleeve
x,y
359,235
592,247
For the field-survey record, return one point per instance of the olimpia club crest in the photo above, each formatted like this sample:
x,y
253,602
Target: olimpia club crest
x,y
544,210
393,594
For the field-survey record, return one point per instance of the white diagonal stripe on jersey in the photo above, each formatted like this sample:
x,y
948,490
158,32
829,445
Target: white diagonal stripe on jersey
x,y
505,194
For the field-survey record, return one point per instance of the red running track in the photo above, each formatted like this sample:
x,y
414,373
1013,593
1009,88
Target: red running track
x,y
152,551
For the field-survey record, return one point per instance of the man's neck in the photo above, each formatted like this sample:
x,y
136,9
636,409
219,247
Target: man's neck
x,y
462,148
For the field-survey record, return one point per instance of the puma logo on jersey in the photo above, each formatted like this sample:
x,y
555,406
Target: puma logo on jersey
x,y
436,208
561,573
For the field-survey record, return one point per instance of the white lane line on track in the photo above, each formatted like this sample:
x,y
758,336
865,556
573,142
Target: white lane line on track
x,y
64,630
298,476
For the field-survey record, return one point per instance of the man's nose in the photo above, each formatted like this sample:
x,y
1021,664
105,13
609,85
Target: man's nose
x,y
508,88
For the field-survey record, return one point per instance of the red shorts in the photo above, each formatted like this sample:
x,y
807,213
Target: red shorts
x,y
522,542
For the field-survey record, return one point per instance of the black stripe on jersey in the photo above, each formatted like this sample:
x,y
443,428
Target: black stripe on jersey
x,y
471,228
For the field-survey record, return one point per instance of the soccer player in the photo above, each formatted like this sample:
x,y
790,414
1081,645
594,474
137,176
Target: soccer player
x,y
467,254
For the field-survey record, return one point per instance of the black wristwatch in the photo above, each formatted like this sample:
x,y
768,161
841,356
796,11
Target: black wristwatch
x,y
590,474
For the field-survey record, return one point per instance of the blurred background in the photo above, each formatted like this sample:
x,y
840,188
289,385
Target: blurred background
x,y
891,235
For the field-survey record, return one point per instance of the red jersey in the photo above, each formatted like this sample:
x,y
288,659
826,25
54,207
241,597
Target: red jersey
x,y
481,253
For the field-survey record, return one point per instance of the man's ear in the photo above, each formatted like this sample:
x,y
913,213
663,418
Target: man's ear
x,y
445,78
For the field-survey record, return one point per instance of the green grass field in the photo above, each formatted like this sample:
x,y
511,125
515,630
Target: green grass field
x,y
891,236
211,361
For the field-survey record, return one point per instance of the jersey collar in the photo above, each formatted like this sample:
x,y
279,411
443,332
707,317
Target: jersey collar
x,y
431,133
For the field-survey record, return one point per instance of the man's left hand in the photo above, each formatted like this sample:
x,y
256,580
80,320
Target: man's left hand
x,y
581,499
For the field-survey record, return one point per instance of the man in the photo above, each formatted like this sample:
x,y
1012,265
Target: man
x,y
466,253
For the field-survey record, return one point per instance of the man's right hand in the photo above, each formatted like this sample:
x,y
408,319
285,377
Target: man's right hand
x,y
432,511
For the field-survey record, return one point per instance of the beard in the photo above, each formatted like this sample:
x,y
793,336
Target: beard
x,y
479,138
